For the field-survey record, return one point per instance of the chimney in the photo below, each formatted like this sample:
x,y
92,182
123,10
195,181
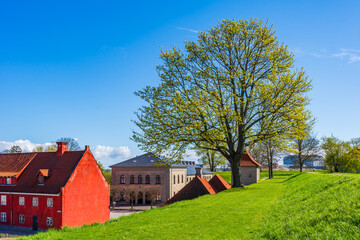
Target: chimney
x,y
87,147
198,172
62,147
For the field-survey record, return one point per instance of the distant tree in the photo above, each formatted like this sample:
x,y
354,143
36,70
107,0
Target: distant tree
x,y
214,94
211,158
51,148
15,149
72,145
306,150
340,156
38,149
272,147
100,166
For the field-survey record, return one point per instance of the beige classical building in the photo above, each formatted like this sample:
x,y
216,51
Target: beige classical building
x,y
142,180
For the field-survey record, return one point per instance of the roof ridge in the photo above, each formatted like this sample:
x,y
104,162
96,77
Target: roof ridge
x,y
251,158
207,185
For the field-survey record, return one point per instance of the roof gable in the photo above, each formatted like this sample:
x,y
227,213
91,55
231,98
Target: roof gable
x,y
219,184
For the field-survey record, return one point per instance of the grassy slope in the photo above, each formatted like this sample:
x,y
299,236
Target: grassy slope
x,y
291,206
316,206
237,213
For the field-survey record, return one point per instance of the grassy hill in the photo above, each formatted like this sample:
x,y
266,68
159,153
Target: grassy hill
x,y
290,206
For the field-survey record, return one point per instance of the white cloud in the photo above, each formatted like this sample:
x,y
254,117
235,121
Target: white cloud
x,y
187,29
108,155
345,54
25,145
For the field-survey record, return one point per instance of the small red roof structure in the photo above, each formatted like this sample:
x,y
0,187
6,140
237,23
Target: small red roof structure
x,y
200,186
248,161
195,188
219,184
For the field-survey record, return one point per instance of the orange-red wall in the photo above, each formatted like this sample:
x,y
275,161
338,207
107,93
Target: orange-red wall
x,y
86,196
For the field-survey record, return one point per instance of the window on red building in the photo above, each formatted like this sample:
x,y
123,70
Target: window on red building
x,y
147,179
21,201
21,218
139,179
3,216
49,221
132,179
3,199
49,202
35,201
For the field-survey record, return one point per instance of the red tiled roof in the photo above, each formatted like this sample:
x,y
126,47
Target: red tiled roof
x,y
207,185
218,183
61,168
248,161
13,164
195,188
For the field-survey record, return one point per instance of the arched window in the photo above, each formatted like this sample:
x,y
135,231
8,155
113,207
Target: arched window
x,y
158,179
132,179
139,179
122,179
174,179
178,178
147,179
182,178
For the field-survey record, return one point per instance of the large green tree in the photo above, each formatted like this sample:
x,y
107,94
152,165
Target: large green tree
x,y
216,93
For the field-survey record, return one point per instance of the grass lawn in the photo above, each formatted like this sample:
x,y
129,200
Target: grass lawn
x,y
290,206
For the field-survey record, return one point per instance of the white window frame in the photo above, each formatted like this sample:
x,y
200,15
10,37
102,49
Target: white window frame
x,y
21,218
21,201
49,202
3,200
49,221
3,217
35,201
8,180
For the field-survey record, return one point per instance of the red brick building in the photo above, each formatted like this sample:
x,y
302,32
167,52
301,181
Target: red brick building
x,y
52,189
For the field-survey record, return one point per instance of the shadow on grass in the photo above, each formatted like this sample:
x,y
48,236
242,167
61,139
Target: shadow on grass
x,y
292,177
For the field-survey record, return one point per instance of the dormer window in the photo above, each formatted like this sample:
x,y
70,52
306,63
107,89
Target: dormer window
x,y
42,174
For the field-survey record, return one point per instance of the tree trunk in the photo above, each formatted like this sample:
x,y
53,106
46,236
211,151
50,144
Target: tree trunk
x,y
270,169
301,167
235,172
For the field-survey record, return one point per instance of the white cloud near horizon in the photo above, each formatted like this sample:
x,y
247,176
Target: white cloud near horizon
x,y
107,155
25,145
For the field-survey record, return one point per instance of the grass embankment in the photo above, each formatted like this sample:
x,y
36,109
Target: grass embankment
x,y
290,206
233,214
316,206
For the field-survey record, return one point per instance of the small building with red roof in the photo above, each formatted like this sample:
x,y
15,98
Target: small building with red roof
x,y
249,169
52,189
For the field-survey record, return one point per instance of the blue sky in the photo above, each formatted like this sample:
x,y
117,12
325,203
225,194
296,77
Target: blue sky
x,y
70,68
